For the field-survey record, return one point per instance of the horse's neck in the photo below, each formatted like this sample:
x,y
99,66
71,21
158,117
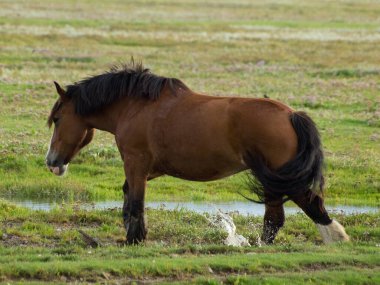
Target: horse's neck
x,y
118,112
106,119
109,117
102,121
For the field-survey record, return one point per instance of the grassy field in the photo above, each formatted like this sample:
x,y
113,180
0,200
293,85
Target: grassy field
x,y
182,246
321,57
318,56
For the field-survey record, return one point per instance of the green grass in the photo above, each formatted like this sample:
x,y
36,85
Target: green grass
x,y
359,268
182,246
318,56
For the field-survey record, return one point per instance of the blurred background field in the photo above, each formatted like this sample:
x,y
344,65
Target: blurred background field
x,y
317,56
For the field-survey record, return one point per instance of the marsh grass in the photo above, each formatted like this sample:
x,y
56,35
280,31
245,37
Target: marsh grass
x,y
182,246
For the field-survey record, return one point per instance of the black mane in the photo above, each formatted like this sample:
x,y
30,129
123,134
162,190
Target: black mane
x,y
133,80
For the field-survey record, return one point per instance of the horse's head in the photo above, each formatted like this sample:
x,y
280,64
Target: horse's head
x,y
71,133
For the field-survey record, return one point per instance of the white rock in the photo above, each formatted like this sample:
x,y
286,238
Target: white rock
x,y
224,222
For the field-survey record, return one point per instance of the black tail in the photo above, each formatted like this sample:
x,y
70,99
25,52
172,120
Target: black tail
x,y
302,173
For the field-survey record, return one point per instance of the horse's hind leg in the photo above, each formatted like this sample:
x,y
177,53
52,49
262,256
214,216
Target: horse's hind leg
x,y
274,219
313,207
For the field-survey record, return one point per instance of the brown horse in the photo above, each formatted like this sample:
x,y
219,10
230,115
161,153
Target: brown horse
x,y
162,127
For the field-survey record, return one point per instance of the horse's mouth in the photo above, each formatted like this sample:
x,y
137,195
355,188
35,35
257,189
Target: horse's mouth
x,y
58,170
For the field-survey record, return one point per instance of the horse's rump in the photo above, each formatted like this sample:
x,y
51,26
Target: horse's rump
x,y
298,175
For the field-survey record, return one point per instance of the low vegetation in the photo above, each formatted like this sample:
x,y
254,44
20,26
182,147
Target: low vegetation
x,y
181,246
321,57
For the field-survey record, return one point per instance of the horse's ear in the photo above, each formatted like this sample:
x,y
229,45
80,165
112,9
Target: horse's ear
x,y
60,91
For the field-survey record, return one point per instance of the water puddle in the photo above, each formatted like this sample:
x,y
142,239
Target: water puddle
x,y
243,208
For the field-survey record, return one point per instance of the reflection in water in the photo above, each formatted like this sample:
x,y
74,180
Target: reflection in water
x,y
243,208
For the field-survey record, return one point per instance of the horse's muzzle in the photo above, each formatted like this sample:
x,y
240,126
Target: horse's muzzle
x,y
58,170
56,166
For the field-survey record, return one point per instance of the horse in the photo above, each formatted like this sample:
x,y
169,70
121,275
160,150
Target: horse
x,y
162,127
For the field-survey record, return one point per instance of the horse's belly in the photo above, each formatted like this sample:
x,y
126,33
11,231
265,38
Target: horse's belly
x,y
199,168
206,175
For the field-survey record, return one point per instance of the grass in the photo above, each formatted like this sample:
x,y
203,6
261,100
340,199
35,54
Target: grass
x,y
182,246
318,56
186,266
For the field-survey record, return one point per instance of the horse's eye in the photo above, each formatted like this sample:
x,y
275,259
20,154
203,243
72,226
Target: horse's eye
x,y
55,120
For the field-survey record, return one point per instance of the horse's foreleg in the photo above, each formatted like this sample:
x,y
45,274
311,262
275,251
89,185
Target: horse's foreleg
x,y
133,209
313,206
274,219
136,224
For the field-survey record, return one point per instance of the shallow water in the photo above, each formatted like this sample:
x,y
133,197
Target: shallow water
x,y
243,208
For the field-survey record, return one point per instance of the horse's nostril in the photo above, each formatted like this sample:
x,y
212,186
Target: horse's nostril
x,y
51,163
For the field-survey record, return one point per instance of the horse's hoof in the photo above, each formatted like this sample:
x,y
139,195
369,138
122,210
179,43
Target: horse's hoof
x,y
333,232
135,239
136,231
269,235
